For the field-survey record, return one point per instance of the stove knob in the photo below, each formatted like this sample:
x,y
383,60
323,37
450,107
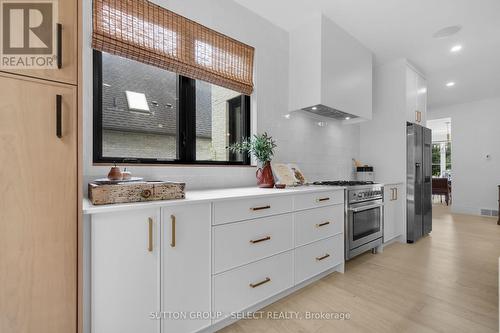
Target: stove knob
x,y
360,195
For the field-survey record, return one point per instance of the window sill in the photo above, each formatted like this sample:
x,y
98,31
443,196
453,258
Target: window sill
x,y
175,165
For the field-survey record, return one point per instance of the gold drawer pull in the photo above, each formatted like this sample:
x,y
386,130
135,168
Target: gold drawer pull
x,y
260,208
322,224
255,285
323,199
150,234
323,257
260,240
172,220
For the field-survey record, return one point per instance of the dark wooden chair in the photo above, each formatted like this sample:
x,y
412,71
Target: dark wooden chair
x,y
442,187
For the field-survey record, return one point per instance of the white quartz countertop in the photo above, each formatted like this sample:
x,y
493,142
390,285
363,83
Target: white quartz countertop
x,y
208,195
392,182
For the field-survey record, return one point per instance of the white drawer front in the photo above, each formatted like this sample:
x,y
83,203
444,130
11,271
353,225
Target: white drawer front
x,y
237,244
233,290
312,259
315,224
318,199
245,209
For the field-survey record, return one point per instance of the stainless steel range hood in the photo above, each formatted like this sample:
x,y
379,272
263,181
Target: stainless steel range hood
x,y
328,112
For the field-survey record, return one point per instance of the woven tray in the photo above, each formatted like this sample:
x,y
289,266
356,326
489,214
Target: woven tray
x,y
103,194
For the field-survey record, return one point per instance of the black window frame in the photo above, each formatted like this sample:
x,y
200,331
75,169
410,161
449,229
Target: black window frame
x,y
186,124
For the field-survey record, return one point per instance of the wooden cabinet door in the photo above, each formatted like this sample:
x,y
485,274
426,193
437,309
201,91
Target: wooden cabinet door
x,y
68,18
186,262
125,272
38,207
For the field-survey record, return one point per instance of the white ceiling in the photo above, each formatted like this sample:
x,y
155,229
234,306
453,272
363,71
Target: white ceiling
x,y
402,28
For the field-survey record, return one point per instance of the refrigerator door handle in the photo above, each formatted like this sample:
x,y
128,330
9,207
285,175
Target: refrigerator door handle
x,y
417,173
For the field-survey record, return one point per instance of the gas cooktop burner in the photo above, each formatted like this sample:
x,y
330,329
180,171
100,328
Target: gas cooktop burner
x,y
344,183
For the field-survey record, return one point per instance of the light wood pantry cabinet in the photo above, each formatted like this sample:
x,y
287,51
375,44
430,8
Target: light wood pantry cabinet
x,y
38,206
186,265
125,271
394,217
68,42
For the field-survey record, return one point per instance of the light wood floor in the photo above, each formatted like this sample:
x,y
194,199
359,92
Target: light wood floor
x,y
446,282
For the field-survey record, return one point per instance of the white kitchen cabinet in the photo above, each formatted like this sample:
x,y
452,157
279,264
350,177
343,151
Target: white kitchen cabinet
x,y
416,97
422,99
171,260
243,287
394,218
186,266
236,244
317,257
125,271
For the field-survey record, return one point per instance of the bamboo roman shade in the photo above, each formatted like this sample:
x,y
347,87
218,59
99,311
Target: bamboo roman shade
x,y
146,32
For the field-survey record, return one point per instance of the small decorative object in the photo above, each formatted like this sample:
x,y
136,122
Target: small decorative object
x,y
115,173
298,174
107,181
280,186
262,148
283,175
126,175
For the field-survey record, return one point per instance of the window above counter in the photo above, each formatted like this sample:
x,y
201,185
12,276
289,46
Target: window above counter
x,y
144,114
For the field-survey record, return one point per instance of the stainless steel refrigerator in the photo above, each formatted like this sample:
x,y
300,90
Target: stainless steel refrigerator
x,y
419,181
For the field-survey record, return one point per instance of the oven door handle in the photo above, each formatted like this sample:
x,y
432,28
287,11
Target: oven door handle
x,y
360,209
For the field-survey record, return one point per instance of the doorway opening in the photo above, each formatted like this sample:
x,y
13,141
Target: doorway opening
x,y
441,159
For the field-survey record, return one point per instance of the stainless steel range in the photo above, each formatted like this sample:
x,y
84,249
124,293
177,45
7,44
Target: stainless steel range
x,y
364,211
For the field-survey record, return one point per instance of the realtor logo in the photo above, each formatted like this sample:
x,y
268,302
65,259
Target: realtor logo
x,y
28,34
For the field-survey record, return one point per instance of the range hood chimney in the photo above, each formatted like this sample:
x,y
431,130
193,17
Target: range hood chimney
x,y
330,72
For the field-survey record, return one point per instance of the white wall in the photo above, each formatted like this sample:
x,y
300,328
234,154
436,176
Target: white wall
x,y
474,134
324,152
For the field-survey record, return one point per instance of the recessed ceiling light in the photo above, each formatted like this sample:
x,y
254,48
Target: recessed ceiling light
x,y
314,108
422,91
456,48
447,31
450,84
286,116
347,118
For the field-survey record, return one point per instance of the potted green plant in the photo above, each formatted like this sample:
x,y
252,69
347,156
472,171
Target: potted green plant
x,y
261,146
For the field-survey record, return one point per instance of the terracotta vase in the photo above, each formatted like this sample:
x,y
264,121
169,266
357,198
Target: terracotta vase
x,y
264,175
115,173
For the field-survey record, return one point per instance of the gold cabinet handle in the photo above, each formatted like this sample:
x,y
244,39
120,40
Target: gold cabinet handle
x,y
395,193
255,285
260,240
323,257
323,199
260,208
319,225
172,221
150,234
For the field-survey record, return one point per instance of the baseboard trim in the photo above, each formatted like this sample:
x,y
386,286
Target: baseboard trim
x,y
466,210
